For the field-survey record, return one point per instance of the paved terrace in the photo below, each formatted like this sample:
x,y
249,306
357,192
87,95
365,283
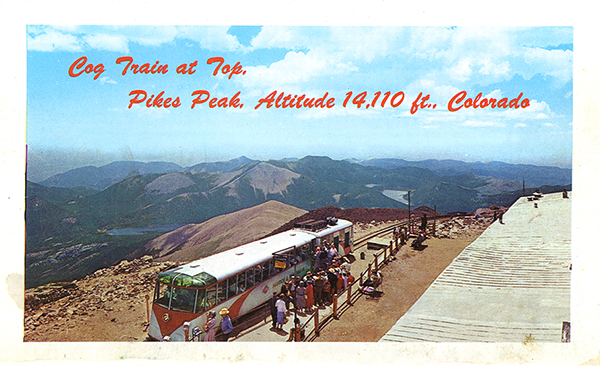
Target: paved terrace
x,y
512,284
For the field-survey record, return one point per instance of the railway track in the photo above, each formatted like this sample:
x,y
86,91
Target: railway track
x,y
358,243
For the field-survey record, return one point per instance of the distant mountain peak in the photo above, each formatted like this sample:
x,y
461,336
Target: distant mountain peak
x,y
220,166
168,183
264,177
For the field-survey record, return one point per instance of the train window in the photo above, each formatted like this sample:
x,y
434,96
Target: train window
x,y
221,292
257,274
265,270
201,301
250,277
304,252
211,295
183,299
162,294
233,288
241,278
292,258
272,270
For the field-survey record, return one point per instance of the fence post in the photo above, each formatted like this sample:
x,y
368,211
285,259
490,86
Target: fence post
x,y
147,310
349,289
335,305
317,321
360,279
369,271
376,264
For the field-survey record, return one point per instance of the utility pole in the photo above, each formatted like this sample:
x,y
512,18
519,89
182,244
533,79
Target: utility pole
x,y
409,216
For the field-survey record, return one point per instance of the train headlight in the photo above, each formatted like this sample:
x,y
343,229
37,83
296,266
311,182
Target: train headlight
x,y
166,317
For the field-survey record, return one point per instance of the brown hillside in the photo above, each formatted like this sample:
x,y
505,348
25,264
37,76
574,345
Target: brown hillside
x,y
220,233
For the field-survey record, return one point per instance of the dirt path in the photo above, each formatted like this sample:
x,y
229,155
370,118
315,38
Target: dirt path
x,y
404,281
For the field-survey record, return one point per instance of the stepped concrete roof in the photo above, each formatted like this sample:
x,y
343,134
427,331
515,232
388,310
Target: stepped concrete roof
x,y
512,284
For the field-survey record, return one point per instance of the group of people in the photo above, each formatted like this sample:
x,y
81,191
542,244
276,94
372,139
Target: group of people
x,y
211,322
332,275
325,255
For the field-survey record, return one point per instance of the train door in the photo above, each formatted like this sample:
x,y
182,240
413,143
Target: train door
x,y
336,243
348,246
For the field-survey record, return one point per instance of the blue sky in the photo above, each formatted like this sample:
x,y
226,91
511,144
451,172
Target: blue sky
x,y
70,114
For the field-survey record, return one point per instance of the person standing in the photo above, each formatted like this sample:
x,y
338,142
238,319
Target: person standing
x,y
300,297
332,278
280,305
326,291
310,299
209,326
318,289
226,326
273,308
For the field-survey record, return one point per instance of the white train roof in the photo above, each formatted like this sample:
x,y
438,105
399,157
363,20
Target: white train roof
x,y
226,264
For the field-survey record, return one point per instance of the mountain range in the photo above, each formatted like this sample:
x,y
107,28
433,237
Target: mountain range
x,y
88,218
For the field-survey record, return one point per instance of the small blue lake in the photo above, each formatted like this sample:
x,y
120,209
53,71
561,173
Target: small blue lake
x,y
143,230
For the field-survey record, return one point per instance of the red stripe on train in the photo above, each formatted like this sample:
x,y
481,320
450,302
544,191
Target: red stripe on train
x,y
175,319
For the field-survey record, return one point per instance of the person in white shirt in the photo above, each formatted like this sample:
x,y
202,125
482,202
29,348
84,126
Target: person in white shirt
x,y
280,305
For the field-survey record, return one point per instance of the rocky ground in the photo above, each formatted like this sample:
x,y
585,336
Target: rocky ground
x,y
110,304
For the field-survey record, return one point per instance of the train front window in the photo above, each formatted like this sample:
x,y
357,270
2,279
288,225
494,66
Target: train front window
x,y
162,294
183,299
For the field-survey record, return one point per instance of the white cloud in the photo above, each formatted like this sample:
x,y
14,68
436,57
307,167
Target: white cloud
x,y
462,70
292,38
520,125
498,71
348,43
117,38
50,40
213,38
295,68
556,63
107,42
107,80
496,94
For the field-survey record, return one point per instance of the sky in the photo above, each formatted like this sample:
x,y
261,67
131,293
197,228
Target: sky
x,y
88,114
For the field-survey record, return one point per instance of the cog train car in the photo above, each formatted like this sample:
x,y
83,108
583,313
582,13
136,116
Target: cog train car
x,y
240,279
